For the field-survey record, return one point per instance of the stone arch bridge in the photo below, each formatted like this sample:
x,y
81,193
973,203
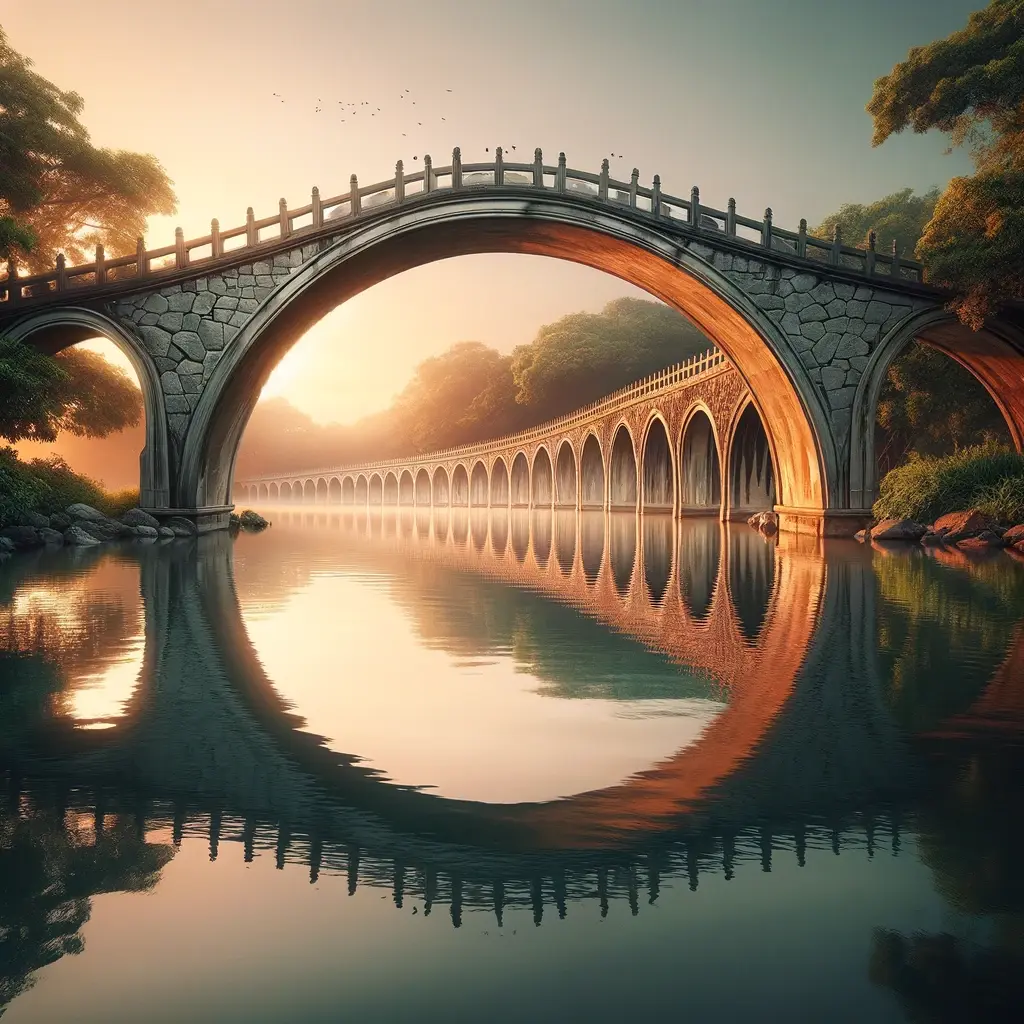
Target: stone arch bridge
x,y
809,325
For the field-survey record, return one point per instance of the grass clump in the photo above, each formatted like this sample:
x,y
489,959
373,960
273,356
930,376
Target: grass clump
x,y
987,476
50,485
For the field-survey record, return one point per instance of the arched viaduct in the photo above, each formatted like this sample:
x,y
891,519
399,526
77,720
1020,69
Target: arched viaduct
x,y
809,325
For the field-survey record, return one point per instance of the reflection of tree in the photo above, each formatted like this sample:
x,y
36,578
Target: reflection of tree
x,y
48,873
943,632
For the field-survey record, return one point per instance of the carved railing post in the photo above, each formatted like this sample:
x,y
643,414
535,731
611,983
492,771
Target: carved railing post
x,y
695,208
730,218
766,229
251,234
560,174
353,195
180,252
286,227
538,168
428,174
656,196
62,274
602,185
499,167
318,210
101,266
869,259
456,168
801,239
141,259
216,245
399,182
634,185
894,267
837,246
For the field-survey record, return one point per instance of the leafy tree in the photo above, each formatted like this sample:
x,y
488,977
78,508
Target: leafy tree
x,y
900,218
971,86
77,391
59,192
583,356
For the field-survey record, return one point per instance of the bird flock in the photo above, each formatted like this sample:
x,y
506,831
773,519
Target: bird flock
x,y
428,112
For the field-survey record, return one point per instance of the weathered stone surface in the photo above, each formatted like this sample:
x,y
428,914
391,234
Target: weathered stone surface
x,y
189,366
75,535
204,303
171,321
981,541
1014,535
832,378
156,304
22,537
53,538
180,526
59,521
211,334
157,341
813,312
170,382
181,303
165,532
86,513
825,350
190,343
850,345
804,282
798,301
898,529
144,531
139,517
957,526
877,312
931,540
176,404
6,546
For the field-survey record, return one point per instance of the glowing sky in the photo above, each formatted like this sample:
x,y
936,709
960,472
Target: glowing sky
x,y
758,99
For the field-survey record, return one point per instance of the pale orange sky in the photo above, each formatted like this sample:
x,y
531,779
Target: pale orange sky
x,y
764,102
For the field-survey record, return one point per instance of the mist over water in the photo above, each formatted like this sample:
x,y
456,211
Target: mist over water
x,y
402,765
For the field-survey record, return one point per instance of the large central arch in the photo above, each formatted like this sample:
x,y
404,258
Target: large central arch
x,y
606,239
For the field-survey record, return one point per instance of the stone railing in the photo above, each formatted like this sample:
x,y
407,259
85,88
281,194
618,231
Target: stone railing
x,y
320,217
714,360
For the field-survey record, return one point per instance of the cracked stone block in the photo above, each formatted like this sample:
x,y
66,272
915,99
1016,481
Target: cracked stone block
x,y
826,348
804,282
191,322
266,281
798,301
767,301
204,303
877,312
851,346
864,292
149,319
852,377
226,302
785,288
842,398
178,423
192,383
843,291
870,333
190,343
776,314
137,315
211,334
248,293
837,307
791,323
230,274
171,321
157,341
815,375
839,324
832,378
170,383
248,305
262,267
813,331
246,280
859,363
229,333
239,319
217,286
190,366
823,293
163,364
175,404
156,304
181,303
261,293
222,316
813,312
210,363
807,358
188,286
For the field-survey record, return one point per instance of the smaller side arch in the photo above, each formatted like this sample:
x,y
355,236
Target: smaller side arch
x,y
519,481
566,495
592,474
423,487
460,486
542,492
334,490
390,489
657,467
478,486
499,489
376,493
362,490
406,490
440,487
348,491
622,470
700,465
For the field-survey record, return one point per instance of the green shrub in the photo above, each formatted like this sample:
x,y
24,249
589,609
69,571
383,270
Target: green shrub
x,y
926,488
50,485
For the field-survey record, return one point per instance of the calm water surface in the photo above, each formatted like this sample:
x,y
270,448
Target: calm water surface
x,y
403,767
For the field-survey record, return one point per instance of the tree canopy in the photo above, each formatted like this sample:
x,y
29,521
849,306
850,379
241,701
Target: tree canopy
x,y
59,192
900,218
77,391
970,86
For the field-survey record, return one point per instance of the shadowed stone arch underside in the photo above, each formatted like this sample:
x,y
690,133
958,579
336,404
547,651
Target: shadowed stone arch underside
x,y
799,337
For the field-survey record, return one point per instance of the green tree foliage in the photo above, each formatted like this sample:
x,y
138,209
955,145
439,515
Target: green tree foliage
x,y
971,86
77,391
900,218
59,192
582,357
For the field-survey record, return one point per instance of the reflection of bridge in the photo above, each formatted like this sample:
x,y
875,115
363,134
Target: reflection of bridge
x,y
663,444
809,325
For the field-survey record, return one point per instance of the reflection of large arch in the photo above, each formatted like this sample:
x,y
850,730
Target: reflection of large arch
x,y
605,238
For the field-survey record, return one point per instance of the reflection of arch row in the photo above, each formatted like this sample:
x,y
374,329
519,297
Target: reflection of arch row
x,y
675,454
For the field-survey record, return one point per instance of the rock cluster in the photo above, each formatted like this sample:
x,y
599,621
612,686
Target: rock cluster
x,y
765,522
84,526
968,530
249,520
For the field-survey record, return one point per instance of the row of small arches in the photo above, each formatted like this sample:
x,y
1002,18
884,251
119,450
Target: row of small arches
x,y
693,482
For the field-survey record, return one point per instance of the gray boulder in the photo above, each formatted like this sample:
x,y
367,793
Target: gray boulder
x,y
165,531
54,538
35,519
898,529
137,517
181,526
23,537
82,512
253,521
6,545
77,536
59,521
142,530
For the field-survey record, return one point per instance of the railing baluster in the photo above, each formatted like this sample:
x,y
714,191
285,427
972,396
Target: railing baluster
x,y
456,168
353,194
101,268
602,186
180,252
634,184
252,236
730,218
695,208
428,174
766,229
538,168
286,226
560,174
837,246
216,243
318,210
62,275
499,167
141,259
656,196
801,239
894,267
869,259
